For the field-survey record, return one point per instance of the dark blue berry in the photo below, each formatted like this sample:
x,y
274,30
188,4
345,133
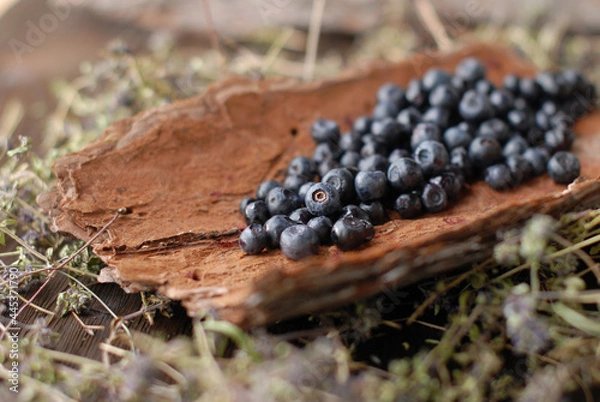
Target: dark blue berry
x,y
325,131
342,180
301,215
326,151
373,162
264,188
257,212
362,125
373,148
391,92
530,89
450,182
484,152
301,166
520,120
456,137
376,212
437,115
475,106
355,211
409,205
322,199
520,169
548,83
408,118
385,109
499,177
501,100
516,145
424,132
484,86
322,225
349,233
559,139
293,182
564,167
434,198
444,96
327,165
494,128
432,156
434,77
416,94
459,158
398,153
351,141
542,120
387,131
470,69
538,159
304,189
274,226
370,186
253,239
510,82
282,201
405,174
350,159
298,242
244,203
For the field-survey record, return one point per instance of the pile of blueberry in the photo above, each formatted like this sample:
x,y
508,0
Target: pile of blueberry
x,y
415,153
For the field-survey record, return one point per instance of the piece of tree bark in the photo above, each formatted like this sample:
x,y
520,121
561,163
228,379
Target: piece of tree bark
x,y
182,170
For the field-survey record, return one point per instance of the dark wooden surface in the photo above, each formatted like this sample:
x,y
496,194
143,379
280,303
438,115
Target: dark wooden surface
x,y
74,339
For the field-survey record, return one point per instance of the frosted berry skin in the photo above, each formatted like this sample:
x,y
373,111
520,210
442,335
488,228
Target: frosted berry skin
x,y
298,242
349,233
484,152
301,215
257,212
470,70
432,156
253,239
343,181
301,166
264,188
424,132
409,205
475,106
370,186
499,177
434,198
564,167
322,199
322,226
274,226
325,131
376,212
405,174
282,201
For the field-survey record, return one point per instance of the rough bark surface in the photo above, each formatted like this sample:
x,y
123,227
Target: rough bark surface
x,y
182,170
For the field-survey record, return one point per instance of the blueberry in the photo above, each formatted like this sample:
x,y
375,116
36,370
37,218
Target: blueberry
x,y
510,82
376,212
538,159
325,131
484,86
405,174
387,131
548,83
373,148
450,182
520,169
322,199
257,212
434,198
391,92
416,94
564,167
301,166
534,136
396,154
432,156
342,180
351,141
520,120
459,85
437,115
282,201
301,215
244,203
559,139
322,225
327,165
459,158
434,77
293,182
362,125
408,118
501,100
349,233
304,189
373,162
530,89
253,239
425,132
549,107
326,151
484,152
385,109
274,226
370,186
355,211
409,205
475,106
456,137
298,242
444,96
470,69
264,188
499,177
350,159
494,128
516,145
542,120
